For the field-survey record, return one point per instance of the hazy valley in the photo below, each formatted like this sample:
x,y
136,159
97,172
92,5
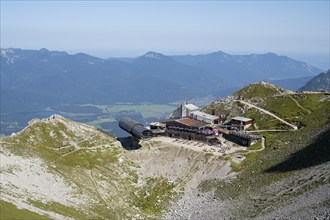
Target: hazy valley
x,y
39,83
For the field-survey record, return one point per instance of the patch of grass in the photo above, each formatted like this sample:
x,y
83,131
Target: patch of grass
x,y
10,211
256,146
263,120
236,167
88,159
310,101
250,158
154,196
284,107
60,209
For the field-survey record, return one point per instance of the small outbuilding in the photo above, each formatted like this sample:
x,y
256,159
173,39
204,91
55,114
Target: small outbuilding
x,y
244,122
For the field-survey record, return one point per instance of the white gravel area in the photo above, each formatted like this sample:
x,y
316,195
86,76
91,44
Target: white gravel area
x,y
311,205
196,205
23,179
199,146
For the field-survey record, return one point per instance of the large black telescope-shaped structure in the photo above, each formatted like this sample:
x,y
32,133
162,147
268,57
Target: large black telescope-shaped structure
x,y
135,128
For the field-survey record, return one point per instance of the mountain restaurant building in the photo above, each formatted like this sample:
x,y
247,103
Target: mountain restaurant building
x,y
204,117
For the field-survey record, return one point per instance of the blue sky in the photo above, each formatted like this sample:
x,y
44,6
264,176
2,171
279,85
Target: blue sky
x,y
131,28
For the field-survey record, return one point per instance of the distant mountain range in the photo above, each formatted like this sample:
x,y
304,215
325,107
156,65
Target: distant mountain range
x,y
320,82
249,67
34,80
51,77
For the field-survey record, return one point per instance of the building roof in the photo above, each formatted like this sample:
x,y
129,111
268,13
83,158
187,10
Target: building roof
x,y
191,107
156,124
205,115
134,128
239,118
191,122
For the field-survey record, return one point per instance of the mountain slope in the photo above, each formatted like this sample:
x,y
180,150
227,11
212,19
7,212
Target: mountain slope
x,y
292,84
279,181
104,179
318,83
62,169
56,168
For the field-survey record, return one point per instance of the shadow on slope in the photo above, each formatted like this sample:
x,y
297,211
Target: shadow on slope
x,y
129,143
314,154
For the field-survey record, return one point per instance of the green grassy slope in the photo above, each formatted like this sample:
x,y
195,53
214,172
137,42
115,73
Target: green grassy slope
x,y
10,211
287,155
262,90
